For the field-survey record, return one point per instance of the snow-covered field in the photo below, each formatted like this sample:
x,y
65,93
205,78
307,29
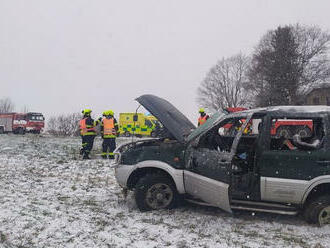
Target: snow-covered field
x,y
51,198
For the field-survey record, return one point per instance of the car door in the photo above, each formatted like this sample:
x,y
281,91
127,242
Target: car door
x,y
286,174
207,175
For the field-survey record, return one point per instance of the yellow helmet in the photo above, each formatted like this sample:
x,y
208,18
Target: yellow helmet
x,y
86,111
108,112
201,110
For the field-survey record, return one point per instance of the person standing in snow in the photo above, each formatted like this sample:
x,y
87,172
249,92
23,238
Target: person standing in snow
x,y
87,132
203,117
109,132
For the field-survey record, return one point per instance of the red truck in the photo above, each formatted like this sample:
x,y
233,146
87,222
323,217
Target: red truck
x,y
19,123
284,127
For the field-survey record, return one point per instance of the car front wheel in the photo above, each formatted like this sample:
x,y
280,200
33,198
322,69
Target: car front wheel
x,y
318,210
155,191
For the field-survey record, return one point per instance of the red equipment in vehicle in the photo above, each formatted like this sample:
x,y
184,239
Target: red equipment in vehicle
x,y
283,127
21,123
288,127
232,110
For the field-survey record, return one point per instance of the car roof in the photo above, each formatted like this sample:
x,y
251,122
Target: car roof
x,y
288,111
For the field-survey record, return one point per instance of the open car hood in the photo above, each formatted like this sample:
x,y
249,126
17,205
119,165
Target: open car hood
x,y
171,118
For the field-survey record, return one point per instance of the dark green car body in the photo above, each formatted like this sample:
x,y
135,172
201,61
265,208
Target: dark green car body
x,y
234,162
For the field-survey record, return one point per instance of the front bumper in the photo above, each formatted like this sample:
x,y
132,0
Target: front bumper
x,y
122,173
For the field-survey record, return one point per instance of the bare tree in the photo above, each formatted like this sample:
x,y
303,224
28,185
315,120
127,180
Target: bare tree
x,y
64,125
223,85
6,105
25,109
313,48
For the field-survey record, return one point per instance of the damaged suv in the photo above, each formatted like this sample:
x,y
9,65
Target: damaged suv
x,y
233,161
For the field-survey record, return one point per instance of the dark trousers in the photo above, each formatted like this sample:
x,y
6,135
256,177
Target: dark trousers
x,y
87,144
108,146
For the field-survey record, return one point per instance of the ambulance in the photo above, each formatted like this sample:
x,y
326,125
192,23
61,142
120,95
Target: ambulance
x,y
137,124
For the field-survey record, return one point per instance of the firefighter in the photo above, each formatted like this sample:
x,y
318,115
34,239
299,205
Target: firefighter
x,y
109,131
203,117
87,132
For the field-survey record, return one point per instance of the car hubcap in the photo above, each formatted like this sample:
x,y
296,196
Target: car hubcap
x,y
324,216
159,196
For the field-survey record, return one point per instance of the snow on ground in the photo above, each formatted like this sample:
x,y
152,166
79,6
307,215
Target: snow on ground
x,y
51,198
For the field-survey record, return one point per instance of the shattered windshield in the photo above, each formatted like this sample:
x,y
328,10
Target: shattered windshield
x,y
207,125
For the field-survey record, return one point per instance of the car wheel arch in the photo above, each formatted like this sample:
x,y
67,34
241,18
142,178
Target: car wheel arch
x,y
316,189
156,167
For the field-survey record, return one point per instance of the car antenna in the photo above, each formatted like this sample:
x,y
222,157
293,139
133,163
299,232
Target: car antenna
x,y
134,120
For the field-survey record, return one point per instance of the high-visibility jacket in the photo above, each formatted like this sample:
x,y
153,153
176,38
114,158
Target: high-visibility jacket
x,y
109,128
202,119
86,128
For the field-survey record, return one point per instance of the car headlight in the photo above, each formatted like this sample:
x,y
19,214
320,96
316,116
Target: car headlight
x,y
117,159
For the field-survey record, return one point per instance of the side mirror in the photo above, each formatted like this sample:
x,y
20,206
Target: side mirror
x,y
135,117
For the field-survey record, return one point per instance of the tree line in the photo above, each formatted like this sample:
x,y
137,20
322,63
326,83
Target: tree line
x,y
286,63
6,105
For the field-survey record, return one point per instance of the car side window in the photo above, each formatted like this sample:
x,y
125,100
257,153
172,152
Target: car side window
x,y
304,134
220,137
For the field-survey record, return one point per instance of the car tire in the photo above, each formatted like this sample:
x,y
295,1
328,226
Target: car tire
x,y
318,211
127,134
21,131
303,132
155,191
2,131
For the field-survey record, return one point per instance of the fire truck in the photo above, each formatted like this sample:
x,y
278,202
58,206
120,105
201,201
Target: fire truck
x,y
283,127
19,123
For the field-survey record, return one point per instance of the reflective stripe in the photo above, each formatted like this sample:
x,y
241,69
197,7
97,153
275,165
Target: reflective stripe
x,y
111,136
89,133
107,153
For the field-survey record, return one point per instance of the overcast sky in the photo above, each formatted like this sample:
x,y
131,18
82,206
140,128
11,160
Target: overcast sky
x,y
62,56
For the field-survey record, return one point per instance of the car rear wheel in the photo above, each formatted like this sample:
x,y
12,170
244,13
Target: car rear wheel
x,y
318,211
155,191
127,134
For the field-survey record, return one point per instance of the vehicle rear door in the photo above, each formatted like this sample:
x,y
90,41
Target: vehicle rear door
x,y
286,173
